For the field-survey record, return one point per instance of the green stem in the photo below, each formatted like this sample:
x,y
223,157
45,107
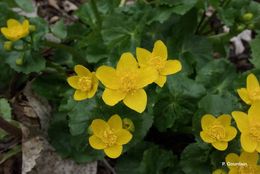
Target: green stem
x,y
10,153
122,3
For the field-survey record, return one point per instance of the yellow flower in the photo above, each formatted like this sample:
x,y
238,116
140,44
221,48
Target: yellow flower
x,y
126,83
250,94
246,163
15,30
109,136
249,126
219,171
84,82
217,131
157,59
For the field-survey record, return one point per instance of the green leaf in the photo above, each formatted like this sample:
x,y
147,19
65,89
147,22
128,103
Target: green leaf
x,y
211,75
5,109
156,160
146,159
51,86
59,29
75,147
123,35
87,15
219,104
26,5
31,63
255,51
81,116
5,113
180,6
194,159
179,84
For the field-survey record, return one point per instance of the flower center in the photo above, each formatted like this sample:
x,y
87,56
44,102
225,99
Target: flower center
x,y
16,31
110,138
254,132
246,170
217,132
157,62
255,95
128,82
85,83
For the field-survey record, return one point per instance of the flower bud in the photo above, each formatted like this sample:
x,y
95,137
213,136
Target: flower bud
x,y
247,16
19,61
32,28
89,130
8,45
251,26
128,124
241,27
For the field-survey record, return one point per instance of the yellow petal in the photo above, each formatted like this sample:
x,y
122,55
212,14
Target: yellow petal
x,y
112,97
96,143
204,136
232,158
136,100
258,147
13,23
123,137
127,62
98,127
146,76
160,50
114,151
115,122
143,56
252,83
243,94
171,67
241,119
254,112
250,158
231,133
224,119
219,171
108,76
5,32
160,81
82,71
80,95
73,81
26,25
234,170
94,88
207,120
247,143
220,145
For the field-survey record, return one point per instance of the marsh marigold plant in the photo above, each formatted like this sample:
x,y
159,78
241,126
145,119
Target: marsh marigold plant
x,y
249,126
217,131
251,93
126,83
15,30
109,136
157,59
85,83
248,163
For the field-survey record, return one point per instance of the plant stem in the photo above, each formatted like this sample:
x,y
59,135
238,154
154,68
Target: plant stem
x,y
5,125
109,166
122,3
